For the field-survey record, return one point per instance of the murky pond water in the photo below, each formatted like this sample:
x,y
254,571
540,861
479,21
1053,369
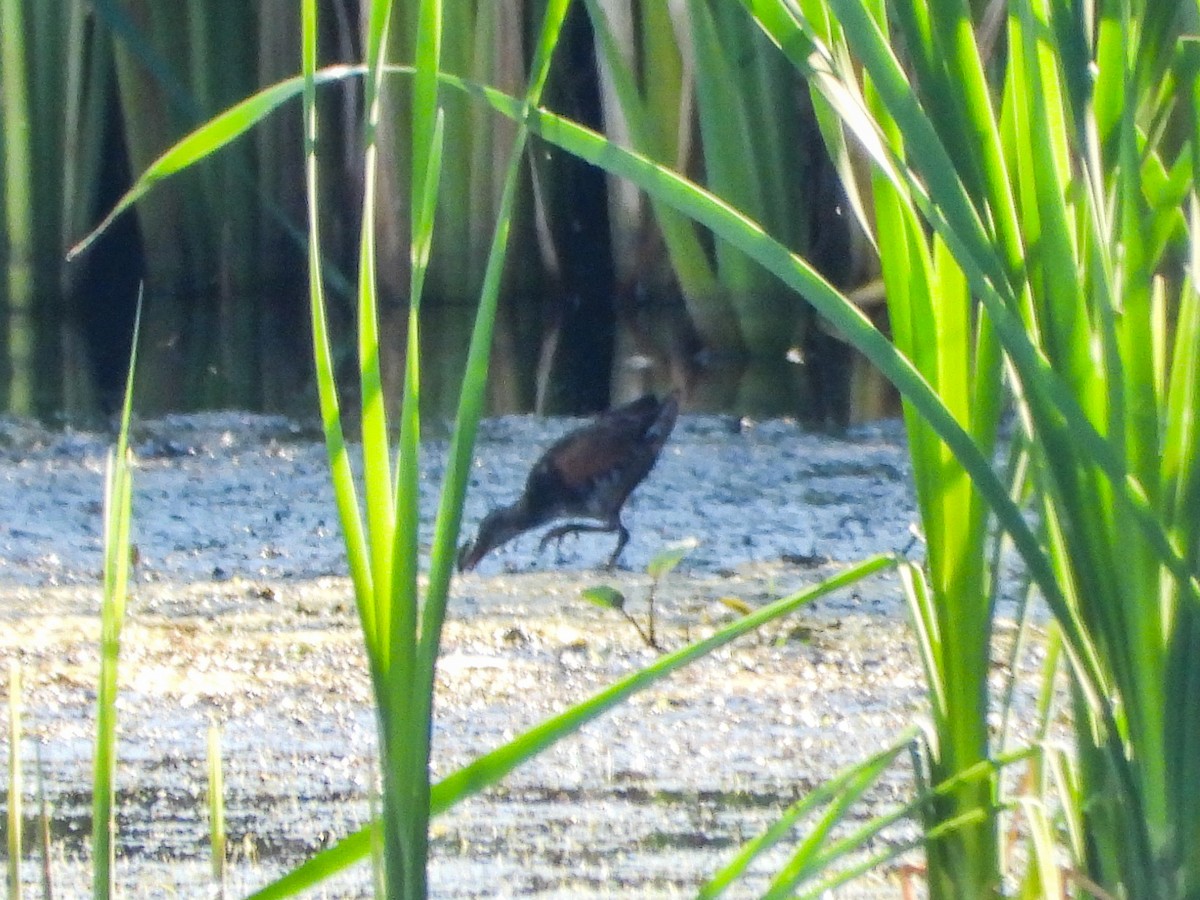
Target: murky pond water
x,y
241,617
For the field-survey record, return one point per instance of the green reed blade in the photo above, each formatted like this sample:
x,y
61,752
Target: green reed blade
x,y
16,785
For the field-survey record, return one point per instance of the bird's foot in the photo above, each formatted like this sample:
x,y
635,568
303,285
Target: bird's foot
x,y
555,536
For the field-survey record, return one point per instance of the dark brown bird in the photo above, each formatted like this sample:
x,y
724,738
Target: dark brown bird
x,y
589,474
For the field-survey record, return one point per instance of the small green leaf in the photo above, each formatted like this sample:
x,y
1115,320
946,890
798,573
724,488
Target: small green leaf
x,y
605,596
669,557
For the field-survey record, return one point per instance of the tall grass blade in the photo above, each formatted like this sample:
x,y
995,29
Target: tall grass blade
x,y
44,820
837,850
878,860
322,866
16,154
1039,189
354,533
345,491
209,137
216,810
16,787
118,494
404,731
811,861
402,634
841,790
474,384
376,452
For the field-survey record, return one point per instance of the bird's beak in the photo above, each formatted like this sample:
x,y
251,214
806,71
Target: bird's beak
x,y
497,527
467,558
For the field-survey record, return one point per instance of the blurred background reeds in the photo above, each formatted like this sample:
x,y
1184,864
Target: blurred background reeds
x,y
605,294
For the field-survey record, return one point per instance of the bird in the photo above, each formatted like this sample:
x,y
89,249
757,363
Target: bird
x,y
588,474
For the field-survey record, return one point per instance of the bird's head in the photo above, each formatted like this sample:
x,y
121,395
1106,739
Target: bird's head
x,y
498,527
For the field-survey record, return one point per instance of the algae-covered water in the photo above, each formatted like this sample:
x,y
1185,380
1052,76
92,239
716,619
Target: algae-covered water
x,y
241,617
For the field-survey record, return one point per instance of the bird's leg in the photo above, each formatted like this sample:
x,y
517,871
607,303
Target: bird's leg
x,y
622,540
555,534
561,531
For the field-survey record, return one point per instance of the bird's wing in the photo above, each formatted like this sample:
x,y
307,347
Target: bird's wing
x,y
599,464
588,454
614,442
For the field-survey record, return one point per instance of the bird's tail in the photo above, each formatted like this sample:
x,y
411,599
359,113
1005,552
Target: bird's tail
x,y
664,422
